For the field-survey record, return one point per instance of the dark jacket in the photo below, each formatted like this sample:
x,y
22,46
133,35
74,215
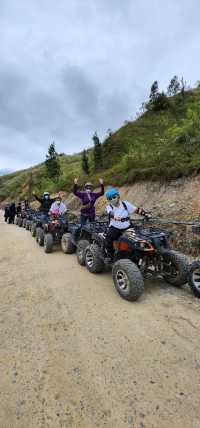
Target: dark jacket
x,y
88,199
45,204
6,212
12,210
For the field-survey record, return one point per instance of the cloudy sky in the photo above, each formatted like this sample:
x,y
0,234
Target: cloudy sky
x,y
72,67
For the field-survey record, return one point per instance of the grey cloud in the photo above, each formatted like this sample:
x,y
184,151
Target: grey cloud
x,y
80,91
72,67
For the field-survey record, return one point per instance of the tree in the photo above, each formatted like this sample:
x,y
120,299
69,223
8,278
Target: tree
x,y
158,101
154,92
85,162
98,153
52,163
183,87
174,86
30,185
161,102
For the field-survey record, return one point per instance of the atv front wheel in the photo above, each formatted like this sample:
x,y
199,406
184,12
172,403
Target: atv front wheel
x,y
94,259
48,243
194,278
128,279
175,268
67,245
80,252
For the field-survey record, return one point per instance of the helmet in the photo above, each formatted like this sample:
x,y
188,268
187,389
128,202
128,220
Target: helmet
x,y
111,193
88,185
46,194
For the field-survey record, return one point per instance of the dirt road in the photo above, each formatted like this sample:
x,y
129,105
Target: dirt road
x,y
74,354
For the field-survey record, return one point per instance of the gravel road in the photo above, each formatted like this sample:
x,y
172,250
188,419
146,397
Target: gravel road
x,y
74,354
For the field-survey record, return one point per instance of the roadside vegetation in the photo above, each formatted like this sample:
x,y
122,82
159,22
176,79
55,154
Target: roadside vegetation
x,y
162,143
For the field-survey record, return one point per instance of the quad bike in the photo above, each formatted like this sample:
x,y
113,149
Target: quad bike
x,y
78,238
139,252
36,222
51,232
21,218
29,217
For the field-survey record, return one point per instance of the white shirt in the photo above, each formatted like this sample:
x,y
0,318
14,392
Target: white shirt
x,y
120,211
59,208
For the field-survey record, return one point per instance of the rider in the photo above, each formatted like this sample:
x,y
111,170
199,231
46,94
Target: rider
x,y
88,198
119,217
58,207
45,202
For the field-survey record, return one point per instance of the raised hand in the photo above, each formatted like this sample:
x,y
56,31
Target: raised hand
x,y
76,180
101,180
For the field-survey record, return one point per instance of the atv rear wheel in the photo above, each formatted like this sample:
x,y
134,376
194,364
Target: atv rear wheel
x,y
33,230
19,222
80,252
94,259
194,278
48,243
24,223
27,224
175,268
128,279
67,245
40,236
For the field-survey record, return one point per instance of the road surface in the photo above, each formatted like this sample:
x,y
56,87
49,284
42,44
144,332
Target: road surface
x,y
74,354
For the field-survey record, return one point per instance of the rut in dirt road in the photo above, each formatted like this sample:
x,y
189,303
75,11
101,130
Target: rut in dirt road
x,y
74,354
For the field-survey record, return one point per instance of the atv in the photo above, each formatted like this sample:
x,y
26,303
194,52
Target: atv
x,y
79,237
35,222
21,218
30,213
51,232
139,252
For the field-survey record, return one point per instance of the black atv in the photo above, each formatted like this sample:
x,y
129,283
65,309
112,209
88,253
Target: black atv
x,y
36,222
51,231
29,216
139,252
79,237
20,219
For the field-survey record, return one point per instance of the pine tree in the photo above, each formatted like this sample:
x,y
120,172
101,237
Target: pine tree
x,y
154,92
85,162
98,153
158,101
174,86
52,163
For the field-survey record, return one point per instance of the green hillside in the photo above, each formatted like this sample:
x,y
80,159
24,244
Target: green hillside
x,y
159,145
